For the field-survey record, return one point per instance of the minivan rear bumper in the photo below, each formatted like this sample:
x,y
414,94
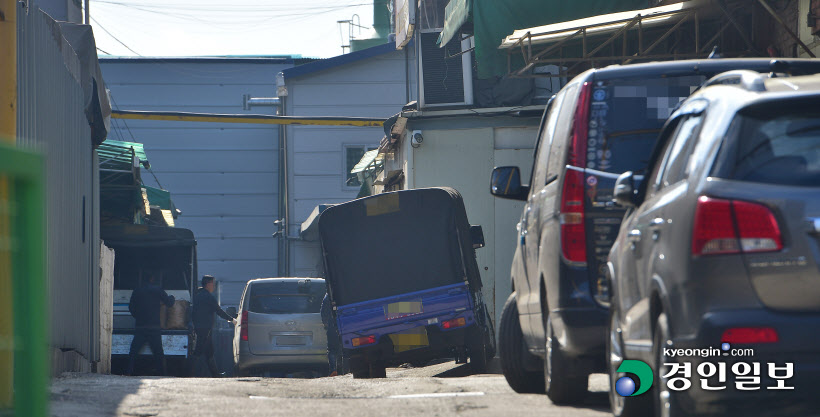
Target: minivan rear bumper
x,y
293,362
798,343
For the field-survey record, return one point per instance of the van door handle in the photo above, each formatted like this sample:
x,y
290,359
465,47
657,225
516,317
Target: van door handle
x,y
634,235
814,225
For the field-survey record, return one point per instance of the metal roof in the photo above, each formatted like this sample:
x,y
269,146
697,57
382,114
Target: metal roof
x,y
603,24
340,60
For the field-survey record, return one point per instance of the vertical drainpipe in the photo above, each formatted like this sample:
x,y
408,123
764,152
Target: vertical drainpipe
x,y
284,206
8,133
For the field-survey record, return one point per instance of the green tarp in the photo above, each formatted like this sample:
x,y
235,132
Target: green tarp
x,y
457,13
493,20
160,198
115,154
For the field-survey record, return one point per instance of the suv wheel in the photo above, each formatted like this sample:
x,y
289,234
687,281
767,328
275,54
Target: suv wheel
x,y
514,354
665,401
639,406
565,381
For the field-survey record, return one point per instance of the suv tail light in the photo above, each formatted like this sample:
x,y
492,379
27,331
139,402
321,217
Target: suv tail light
x,y
243,327
749,335
573,231
731,226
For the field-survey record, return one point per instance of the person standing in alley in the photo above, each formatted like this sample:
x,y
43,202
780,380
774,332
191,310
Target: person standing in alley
x,y
144,306
205,306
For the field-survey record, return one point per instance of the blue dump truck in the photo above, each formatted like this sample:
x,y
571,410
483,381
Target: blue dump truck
x,y
404,282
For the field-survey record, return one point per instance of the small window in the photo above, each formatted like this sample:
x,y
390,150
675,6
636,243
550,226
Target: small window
x,y
286,297
353,154
678,156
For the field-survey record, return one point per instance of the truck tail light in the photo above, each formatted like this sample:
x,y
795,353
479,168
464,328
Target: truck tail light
x,y
731,226
452,324
361,341
749,335
243,327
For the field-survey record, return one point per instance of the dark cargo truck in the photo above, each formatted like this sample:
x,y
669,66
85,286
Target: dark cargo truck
x,y
168,252
403,280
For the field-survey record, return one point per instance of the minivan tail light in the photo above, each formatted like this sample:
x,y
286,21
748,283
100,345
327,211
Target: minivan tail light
x,y
730,226
573,231
243,327
749,335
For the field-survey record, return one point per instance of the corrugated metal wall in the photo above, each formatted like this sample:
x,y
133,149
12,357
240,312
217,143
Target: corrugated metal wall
x,y
373,87
51,119
224,177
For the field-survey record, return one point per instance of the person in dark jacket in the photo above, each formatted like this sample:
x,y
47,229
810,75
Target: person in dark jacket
x,y
144,306
333,344
205,306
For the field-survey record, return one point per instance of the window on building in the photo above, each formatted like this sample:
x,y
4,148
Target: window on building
x,y
354,154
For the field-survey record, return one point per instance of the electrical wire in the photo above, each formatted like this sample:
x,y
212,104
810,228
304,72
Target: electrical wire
x,y
101,50
115,38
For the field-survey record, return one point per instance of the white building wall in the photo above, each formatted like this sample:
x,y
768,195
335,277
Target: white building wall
x,y
372,87
224,177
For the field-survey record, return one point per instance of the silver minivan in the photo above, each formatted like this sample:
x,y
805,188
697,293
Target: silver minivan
x,y
280,327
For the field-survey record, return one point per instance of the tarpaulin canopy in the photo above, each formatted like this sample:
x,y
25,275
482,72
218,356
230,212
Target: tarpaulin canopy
x,y
494,20
413,240
80,57
457,13
140,235
119,155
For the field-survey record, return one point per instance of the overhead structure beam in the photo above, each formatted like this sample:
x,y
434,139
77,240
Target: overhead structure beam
x,y
788,29
246,118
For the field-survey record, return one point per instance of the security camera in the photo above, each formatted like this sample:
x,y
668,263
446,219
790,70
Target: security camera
x,y
416,139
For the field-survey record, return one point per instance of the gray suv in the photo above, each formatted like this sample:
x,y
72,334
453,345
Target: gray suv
x,y
552,332
280,327
719,255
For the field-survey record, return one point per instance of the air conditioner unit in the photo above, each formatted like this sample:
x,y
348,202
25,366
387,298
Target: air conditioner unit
x,y
445,74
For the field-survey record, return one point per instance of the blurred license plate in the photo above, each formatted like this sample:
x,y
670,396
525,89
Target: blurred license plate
x,y
402,309
290,340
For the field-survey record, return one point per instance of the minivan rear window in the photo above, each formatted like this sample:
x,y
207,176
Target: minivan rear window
x,y
775,144
288,297
626,117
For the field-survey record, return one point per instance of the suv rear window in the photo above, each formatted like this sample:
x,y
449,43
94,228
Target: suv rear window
x,y
775,144
626,117
286,297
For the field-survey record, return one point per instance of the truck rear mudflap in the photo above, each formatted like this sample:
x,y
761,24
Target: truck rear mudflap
x,y
403,326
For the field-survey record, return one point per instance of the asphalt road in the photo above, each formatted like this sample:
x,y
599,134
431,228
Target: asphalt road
x,y
437,390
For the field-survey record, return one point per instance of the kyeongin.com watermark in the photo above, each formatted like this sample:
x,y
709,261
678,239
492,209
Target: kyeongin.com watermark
x,y
712,376
711,352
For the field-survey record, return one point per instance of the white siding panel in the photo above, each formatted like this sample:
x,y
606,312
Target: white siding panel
x,y
369,95
320,139
211,136
128,96
215,205
317,163
229,226
236,249
173,72
218,183
238,271
247,161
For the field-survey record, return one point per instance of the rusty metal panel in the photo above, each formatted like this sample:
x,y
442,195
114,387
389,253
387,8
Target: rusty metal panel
x,y
51,119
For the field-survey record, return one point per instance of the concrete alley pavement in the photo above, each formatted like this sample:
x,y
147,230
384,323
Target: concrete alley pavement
x,y
437,390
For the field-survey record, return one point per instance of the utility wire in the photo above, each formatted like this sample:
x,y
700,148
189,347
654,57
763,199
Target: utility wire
x,y
115,38
101,50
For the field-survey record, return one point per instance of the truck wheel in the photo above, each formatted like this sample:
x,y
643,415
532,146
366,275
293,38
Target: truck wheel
x,y
378,370
359,368
478,358
565,380
514,353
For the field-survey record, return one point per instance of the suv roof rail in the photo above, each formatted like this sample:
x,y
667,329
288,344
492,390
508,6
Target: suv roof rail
x,y
747,79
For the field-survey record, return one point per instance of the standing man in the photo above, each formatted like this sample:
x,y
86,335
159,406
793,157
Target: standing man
x,y
333,345
144,306
205,306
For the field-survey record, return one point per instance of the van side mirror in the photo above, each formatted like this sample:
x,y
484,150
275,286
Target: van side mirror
x,y
506,183
624,192
231,311
477,236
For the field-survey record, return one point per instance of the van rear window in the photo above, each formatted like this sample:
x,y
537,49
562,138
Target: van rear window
x,y
775,144
286,297
626,117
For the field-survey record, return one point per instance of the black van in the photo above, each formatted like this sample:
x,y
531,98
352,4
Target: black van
x,y
602,123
